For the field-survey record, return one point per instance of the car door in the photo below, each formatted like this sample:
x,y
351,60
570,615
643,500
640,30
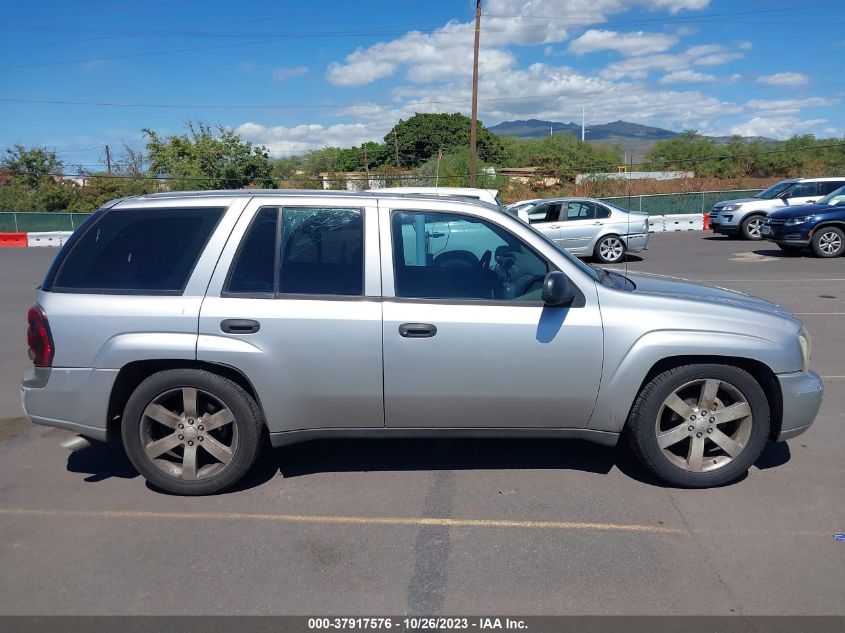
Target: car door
x,y
579,225
545,217
476,348
294,304
802,193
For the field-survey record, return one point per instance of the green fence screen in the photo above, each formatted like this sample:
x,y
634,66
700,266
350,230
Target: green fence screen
x,y
675,203
34,222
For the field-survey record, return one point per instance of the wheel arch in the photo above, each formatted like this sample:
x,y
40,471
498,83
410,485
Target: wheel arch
x,y
133,374
761,372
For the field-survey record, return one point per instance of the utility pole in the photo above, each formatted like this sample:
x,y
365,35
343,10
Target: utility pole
x,y
367,169
437,172
396,145
583,128
473,126
108,160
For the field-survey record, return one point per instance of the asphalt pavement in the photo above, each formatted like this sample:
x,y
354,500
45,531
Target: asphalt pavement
x,y
375,527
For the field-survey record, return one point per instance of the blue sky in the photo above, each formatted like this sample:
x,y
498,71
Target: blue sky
x,y
295,76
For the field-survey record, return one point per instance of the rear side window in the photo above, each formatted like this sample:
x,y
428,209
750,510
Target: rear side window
x,y
830,186
138,250
321,251
252,271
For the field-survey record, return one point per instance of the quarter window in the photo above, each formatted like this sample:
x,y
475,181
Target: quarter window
x,y
454,256
138,250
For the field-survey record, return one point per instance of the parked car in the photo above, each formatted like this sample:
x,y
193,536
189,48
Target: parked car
x,y
490,196
586,227
191,325
820,226
745,217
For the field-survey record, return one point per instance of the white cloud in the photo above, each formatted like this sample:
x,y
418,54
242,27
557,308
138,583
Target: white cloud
x,y
746,45
248,67
446,52
788,106
636,43
640,67
287,72
283,141
784,79
777,127
688,76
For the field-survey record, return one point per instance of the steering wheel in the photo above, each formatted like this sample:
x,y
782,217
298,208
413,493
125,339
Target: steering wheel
x,y
484,262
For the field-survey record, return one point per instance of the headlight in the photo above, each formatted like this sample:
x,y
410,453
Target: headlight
x,y
730,207
798,220
806,344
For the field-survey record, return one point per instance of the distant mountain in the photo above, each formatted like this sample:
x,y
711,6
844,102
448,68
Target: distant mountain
x,y
632,137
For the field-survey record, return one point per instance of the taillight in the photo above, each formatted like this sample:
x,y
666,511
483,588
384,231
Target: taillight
x,y
38,337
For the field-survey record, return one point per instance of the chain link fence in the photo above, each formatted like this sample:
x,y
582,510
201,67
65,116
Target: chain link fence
x,y
654,204
677,203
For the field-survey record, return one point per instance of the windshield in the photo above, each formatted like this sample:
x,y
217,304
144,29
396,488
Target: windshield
x,y
569,256
775,189
834,197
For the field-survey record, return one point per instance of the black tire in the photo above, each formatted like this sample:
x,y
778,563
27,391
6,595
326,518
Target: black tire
x,y
750,227
248,421
825,241
618,249
643,420
792,249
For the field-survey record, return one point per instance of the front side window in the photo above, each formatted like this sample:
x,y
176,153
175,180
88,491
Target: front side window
x,y
138,250
802,190
454,256
321,251
548,212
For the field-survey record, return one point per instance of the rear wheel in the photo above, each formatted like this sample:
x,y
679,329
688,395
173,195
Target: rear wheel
x,y
610,249
698,426
191,432
829,241
752,227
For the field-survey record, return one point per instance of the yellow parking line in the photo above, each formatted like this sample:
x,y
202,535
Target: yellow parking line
x,y
343,520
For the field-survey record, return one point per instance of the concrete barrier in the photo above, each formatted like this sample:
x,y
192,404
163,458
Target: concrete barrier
x,y
684,222
14,240
47,238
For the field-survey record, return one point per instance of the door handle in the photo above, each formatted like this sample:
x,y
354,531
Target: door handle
x,y
555,226
239,326
417,330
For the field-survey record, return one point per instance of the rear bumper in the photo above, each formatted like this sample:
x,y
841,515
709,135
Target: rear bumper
x,y
74,399
802,396
636,242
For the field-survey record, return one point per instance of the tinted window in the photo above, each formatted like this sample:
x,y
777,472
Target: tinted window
x,y
152,250
602,212
453,256
802,190
830,186
322,251
252,271
580,211
548,212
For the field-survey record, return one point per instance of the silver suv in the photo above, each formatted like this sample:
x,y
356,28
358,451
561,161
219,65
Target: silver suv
x,y
745,217
194,325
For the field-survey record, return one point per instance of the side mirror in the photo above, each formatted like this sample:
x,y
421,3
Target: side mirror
x,y
556,289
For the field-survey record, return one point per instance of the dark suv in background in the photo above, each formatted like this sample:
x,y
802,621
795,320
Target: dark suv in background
x,y
820,226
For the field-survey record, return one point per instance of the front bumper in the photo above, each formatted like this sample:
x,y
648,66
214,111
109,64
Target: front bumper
x,y
791,235
69,398
802,396
636,242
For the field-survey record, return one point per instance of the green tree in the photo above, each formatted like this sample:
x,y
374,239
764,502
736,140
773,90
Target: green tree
x,y
208,158
32,166
453,171
421,136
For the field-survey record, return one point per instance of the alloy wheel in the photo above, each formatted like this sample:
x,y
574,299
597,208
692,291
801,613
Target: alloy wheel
x,y
755,227
703,425
830,243
611,249
180,422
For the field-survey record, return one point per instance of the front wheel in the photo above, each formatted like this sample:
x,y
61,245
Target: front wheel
x,y
698,426
752,227
829,241
610,249
191,432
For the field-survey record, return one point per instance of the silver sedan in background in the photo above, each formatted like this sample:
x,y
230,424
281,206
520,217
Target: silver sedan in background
x,y
585,226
